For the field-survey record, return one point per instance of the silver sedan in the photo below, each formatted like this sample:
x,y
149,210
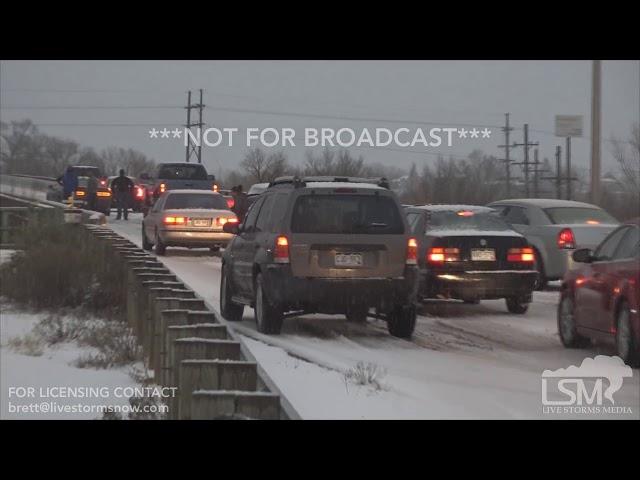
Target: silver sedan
x,y
555,228
187,218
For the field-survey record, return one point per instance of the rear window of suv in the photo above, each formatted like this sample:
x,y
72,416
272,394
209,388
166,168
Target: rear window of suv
x,y
213,201
179,172
579,215
346,214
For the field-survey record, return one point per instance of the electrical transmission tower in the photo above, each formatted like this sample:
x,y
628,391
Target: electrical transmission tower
x,y
525,164
192,148
507,160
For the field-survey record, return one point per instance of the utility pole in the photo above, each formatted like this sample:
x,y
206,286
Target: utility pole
x,y
595,131
507,161
525,164
191,147
569,177
535,173
557,178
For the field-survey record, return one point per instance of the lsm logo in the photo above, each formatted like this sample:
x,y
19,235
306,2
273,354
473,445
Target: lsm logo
x,y
582,390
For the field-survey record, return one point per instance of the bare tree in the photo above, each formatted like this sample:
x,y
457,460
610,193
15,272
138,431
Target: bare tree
x,y
261,167
627,155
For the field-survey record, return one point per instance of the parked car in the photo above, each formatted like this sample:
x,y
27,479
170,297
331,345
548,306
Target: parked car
x,y
555,228
467,253
103,193
600,299
174,176
321,245
228,197
187,218
255,191
138,195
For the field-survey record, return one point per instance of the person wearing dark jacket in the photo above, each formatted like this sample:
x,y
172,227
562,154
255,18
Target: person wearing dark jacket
x,y
92,191
240,203
69,182
121,189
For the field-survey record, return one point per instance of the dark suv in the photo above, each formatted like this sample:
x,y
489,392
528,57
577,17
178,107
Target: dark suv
x,y
322,245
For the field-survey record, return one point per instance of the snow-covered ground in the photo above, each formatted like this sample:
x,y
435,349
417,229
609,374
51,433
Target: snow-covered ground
x,y
34,386
465,361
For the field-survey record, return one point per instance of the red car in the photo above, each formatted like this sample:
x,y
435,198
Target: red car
x,y
600,298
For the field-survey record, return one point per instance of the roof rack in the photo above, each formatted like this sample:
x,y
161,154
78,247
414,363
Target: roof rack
x,y
299,182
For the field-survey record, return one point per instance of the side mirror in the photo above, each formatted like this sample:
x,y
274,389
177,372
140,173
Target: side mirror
x,y
582,255
231,227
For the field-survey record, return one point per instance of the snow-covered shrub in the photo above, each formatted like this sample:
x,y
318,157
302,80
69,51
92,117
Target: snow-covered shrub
x,y
29,344
366,374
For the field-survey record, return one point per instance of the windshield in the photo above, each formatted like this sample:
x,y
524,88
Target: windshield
x,y
578,215
346,214
182,172
209,201
451,220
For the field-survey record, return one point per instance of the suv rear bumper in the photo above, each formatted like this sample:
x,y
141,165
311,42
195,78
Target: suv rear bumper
x,y
334,295
477,284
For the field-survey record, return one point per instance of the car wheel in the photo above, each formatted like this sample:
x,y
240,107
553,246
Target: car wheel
x,y
402,321
567,325
516,305
541,279
357,314
161,248
229,310
146,244
268,316
625,344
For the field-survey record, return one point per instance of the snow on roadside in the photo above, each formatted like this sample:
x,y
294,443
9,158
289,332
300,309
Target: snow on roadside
x,y
51,375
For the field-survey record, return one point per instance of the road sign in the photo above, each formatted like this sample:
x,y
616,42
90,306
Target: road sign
x,y
568,125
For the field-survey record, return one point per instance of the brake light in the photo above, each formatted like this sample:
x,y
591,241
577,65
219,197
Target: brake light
x,y
281,252
412,252
231,202
523,255
465,213
593,222
139,192
103,182
566,239
104,194
163,187
175,220
220,221
441,255
80,193
214,187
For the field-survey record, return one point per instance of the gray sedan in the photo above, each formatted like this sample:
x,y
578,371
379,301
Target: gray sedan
x,y
555,228
187,218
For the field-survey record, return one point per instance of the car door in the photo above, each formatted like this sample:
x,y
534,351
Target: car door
x,y
154,218
244,251
592,294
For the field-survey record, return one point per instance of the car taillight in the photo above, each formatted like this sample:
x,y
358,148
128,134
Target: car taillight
x,y
220,221
441,255
231,202
80,193
412,252
163,187
214,187
175,220
281,252
139,192
524,255
103,183
566,239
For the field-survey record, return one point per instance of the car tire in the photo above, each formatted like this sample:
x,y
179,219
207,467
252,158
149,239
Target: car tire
x,y
541,279
626,346
516,305
357,314
402,321
146,244
229,310
161,248
567,328
268,316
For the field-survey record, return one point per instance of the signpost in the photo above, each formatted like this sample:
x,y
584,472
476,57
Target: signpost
x,y
568,126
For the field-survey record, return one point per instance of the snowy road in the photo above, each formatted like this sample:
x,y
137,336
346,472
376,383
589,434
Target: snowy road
x,y
465,361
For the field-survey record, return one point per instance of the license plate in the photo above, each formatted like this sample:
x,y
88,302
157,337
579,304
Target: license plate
x,y
348,260
484,255
201,222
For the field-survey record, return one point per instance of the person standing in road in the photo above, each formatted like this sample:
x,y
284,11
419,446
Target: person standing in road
x,y
92,190
121,188
69,182
240,202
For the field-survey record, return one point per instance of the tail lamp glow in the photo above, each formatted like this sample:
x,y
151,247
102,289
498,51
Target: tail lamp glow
x,y
521,255
566,239
171,220
281,250
441,255
412,252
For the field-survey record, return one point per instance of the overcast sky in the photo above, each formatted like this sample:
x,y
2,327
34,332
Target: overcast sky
x,y
421,93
